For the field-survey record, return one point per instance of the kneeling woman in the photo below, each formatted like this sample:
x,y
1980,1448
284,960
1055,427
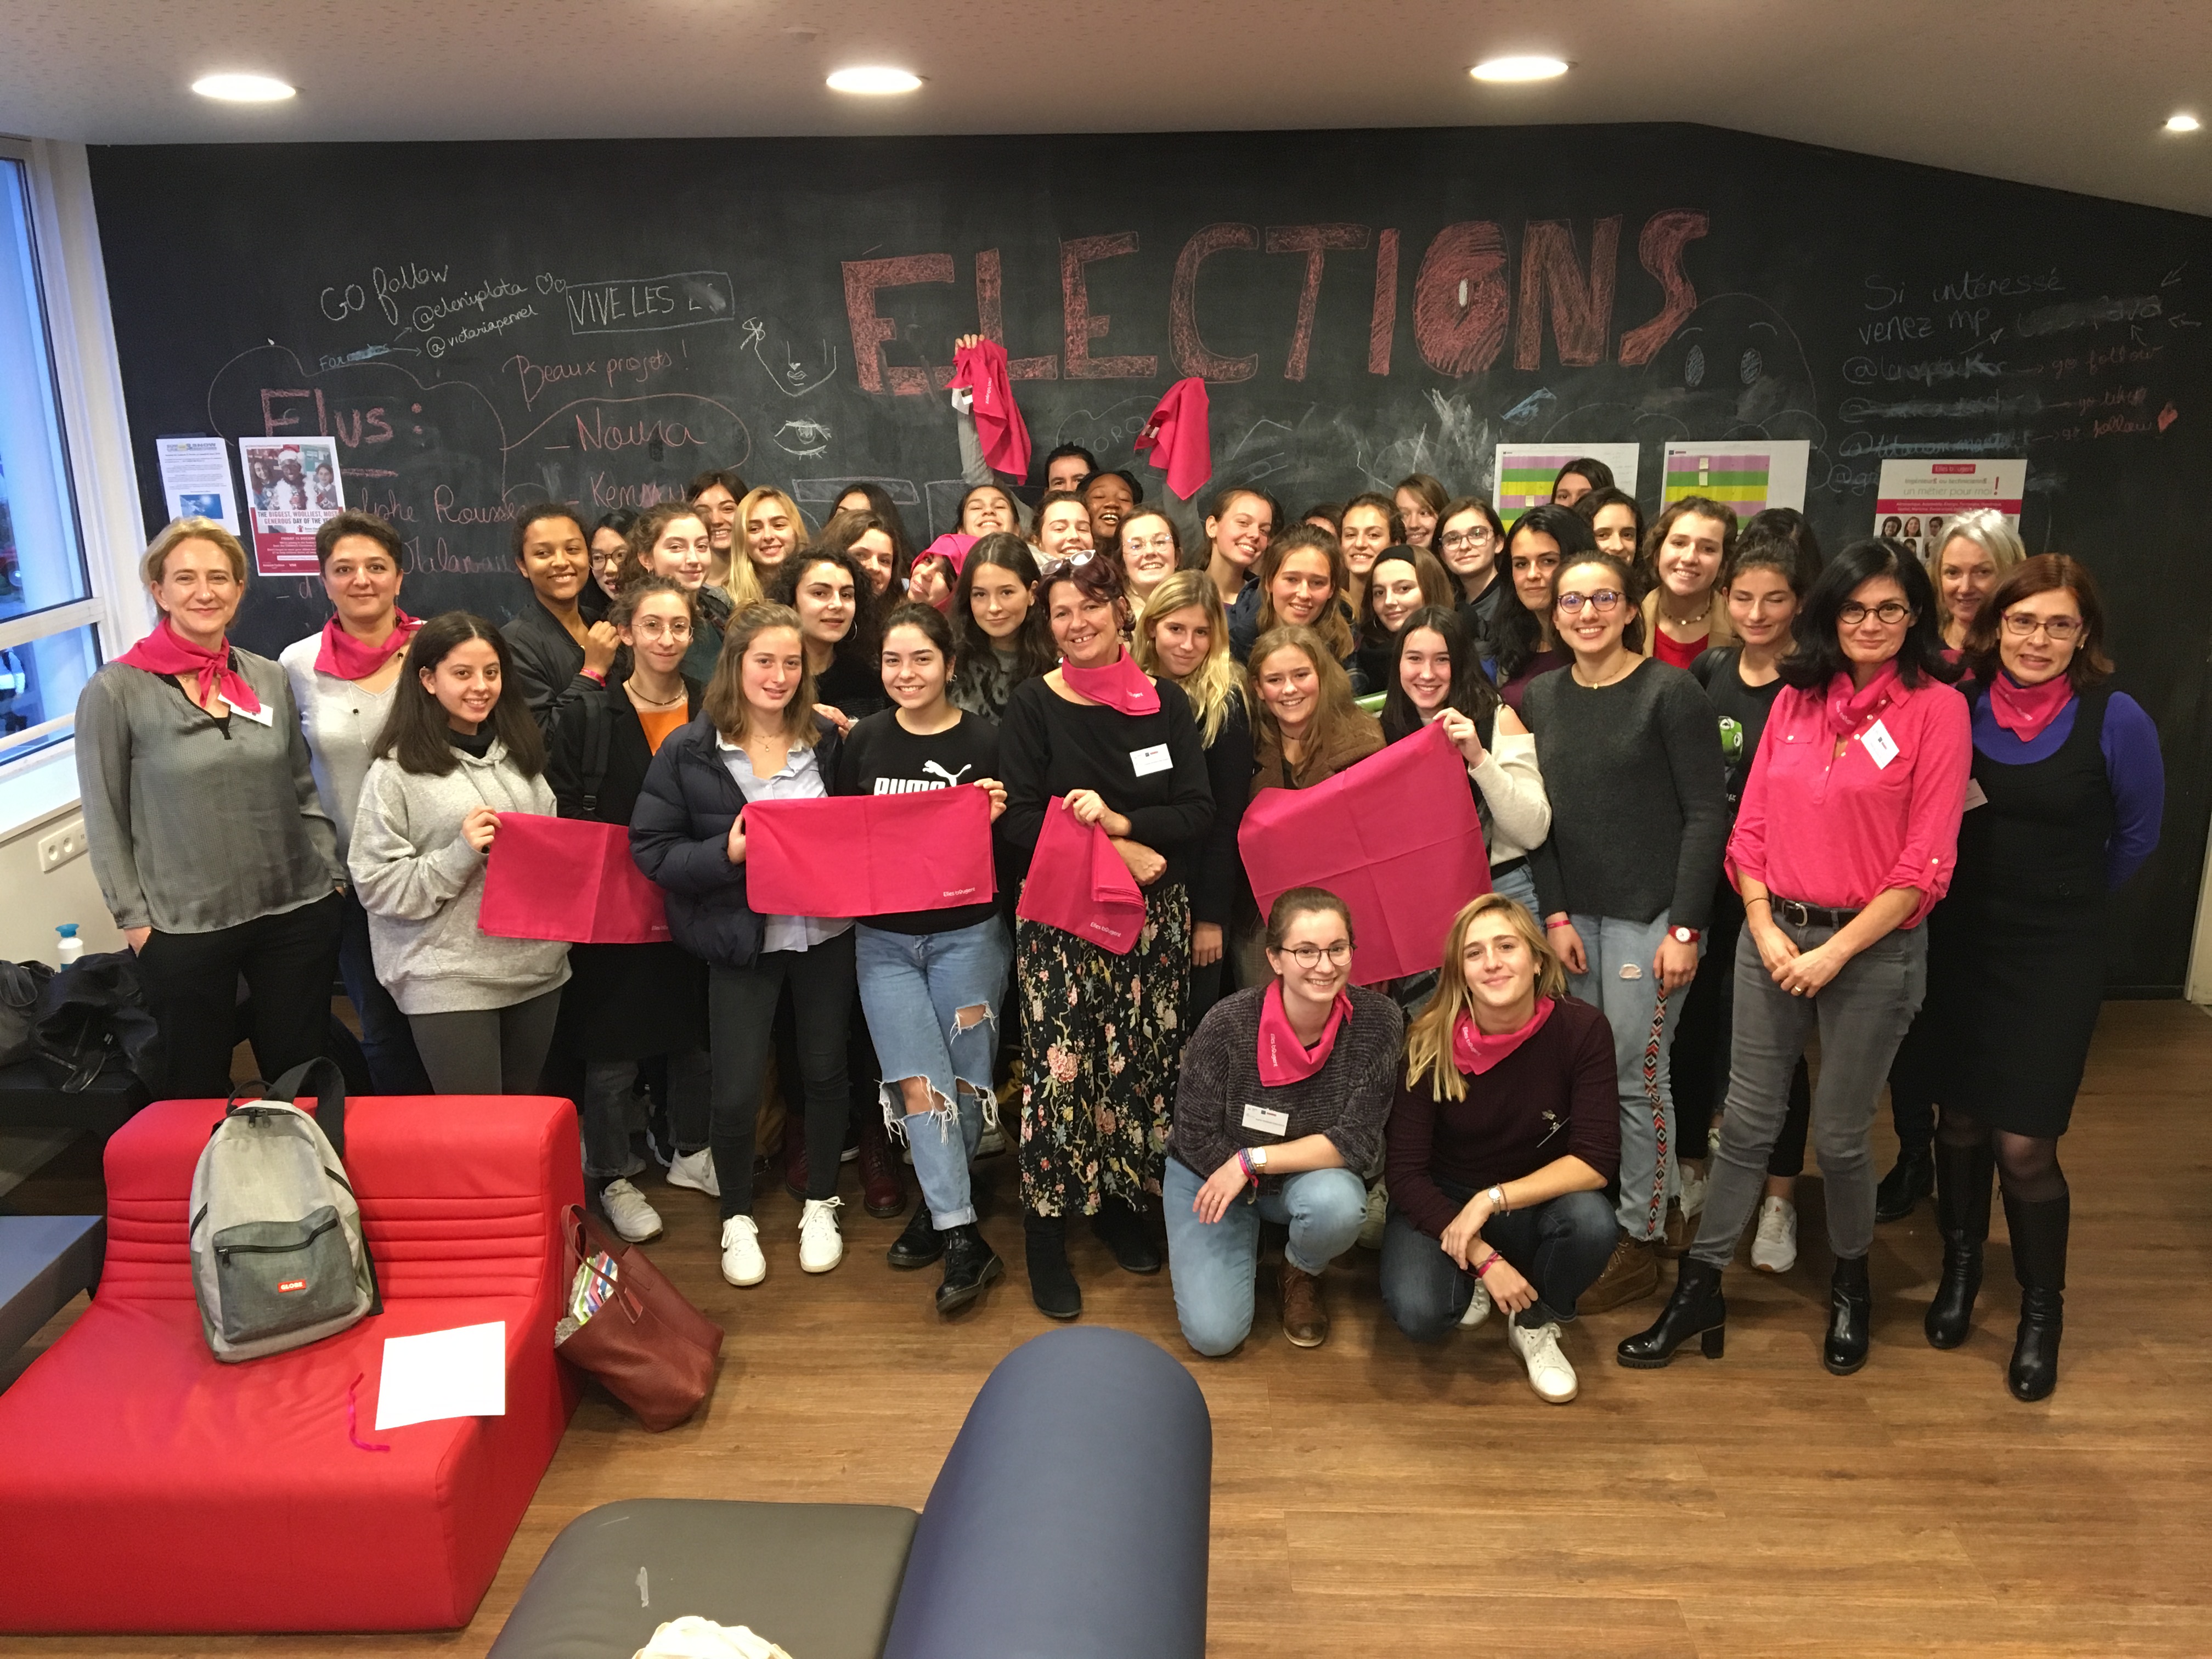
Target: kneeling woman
x,y
930,980
1281,1102
1501,1143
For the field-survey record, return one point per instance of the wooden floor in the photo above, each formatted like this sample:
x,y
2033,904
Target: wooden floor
x,y
1370,1498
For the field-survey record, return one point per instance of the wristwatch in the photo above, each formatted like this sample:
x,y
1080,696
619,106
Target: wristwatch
x,y
1259,1155
1683,935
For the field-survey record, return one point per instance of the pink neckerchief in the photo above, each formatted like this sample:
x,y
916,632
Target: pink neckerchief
x,y
1120,686
1848,710
1474,1053
350,658
165,651
2027,710
1284,1058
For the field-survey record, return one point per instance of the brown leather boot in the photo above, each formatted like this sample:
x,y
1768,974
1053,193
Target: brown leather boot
x,y
1630,1276
882,1192
1305,1321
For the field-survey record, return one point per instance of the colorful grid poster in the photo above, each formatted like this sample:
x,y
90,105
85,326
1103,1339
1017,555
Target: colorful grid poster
x,y
1526,471
1749,476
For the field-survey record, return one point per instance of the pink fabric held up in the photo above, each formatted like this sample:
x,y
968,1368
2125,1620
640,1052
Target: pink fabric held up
x,y
869,855
1078,884
980,369
568,878
1178,437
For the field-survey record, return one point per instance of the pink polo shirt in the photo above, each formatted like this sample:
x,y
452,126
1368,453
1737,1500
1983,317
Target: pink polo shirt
x,y
1838,831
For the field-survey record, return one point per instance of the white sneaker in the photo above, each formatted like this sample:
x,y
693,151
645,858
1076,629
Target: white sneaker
x,y
992,1143
696,1171
1695,1184
1377,1218
821,1247
1478,1308
1549,1374
743,1263
1774,1248
629,1214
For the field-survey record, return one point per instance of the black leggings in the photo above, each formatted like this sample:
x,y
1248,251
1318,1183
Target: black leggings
x,y
740,1022
2027,1165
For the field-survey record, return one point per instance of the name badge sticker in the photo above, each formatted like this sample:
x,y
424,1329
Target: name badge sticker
x,y
1975,797
1881,747
1149,761
1266,1122
261,716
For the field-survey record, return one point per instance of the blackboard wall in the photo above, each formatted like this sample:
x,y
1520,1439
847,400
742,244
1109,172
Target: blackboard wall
x,y
482,326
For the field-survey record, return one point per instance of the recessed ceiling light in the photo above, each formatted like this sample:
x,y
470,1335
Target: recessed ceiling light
x,y
1519,69
2181,124
875,82
242,88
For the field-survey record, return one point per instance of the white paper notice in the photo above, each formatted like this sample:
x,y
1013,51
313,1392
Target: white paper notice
x,y
196,480
456,1373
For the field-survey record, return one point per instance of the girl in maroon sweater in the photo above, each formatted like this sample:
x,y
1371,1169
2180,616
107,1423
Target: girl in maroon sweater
x,y
1502,1141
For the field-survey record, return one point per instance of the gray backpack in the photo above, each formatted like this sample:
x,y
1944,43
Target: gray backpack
x,y
278,1259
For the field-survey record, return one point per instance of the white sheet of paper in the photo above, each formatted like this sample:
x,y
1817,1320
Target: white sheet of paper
x,y
457,1373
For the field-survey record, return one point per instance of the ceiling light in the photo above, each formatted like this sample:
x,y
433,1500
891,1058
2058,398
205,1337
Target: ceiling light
x,y
242,88
1519,69
874,80
2181,124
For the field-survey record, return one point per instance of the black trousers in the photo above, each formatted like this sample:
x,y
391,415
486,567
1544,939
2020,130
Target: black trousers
x,y
740,1023
190,984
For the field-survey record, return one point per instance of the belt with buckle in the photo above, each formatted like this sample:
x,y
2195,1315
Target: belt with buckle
x,y
1807,915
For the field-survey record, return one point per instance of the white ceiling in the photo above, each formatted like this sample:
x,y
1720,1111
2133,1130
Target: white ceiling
x,y
2065,93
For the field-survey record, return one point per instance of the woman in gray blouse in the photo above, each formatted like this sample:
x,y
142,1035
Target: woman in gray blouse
x,y
342,679
212,848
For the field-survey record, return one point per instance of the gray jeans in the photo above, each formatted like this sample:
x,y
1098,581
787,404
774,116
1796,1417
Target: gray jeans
x,y
1862,1015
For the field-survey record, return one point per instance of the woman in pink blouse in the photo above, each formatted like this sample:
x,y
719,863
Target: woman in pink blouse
x,y
1846,837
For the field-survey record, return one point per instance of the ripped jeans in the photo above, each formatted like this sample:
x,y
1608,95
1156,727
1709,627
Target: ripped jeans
x,y
931,1001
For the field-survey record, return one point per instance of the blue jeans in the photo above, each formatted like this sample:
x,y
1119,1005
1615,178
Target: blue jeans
x,y
1643,1016
1520,885
1214,1267
914,987
1559,1246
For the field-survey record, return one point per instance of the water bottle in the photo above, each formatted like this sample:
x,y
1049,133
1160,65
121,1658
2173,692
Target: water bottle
x,y
72,947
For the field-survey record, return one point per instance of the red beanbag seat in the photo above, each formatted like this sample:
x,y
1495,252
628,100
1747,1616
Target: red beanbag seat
x,y
146,1486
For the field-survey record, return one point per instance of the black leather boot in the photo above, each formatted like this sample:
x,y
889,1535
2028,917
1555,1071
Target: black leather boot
x,y
2039,1259
920,1244
1121,1228
1910,1179
1052,1282
970,1264
1851,1316
1962,1216
1696,1309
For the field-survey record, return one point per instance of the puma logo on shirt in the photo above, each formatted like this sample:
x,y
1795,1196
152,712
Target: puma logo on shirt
x,y
944,780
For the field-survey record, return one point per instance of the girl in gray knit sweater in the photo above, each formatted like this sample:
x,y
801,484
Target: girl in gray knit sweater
x,y
454,754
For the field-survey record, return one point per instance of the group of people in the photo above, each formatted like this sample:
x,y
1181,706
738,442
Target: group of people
x,y
1731,794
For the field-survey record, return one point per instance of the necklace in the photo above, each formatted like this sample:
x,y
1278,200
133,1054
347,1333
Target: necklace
x,y
644,702
1610,679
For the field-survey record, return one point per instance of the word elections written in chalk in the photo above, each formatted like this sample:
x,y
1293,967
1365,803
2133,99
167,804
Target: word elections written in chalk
x,y
1463,299
684,299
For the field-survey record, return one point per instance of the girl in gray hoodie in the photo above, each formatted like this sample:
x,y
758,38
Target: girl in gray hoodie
x,y
453,755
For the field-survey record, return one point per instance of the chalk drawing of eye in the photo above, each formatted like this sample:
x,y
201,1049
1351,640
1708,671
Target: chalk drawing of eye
x,y
1693,366
1747,370
808,438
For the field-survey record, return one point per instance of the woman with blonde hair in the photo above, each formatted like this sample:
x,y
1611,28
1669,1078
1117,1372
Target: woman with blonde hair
x,y
769,530
1500,1144
1978,551
1183,635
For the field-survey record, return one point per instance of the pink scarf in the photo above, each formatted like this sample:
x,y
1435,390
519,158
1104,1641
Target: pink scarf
x,y
1120,686
1848,710
2027,710
1475,1054
165,651
1284,1058
347,657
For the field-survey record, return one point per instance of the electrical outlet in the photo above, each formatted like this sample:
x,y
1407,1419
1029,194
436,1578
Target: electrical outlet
x,y
64,844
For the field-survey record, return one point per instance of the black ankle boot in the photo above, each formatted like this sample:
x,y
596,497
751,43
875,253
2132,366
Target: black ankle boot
x,y
1962,1216
1052,1283
2039,1260
970,1264
1910,1179
1696,1309
1851,1316
920,1244
1121,1228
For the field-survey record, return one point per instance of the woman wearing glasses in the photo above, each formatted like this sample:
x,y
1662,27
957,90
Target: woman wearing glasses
x,y
1638,817
2072,789
1845,837
1281,1101
1468,540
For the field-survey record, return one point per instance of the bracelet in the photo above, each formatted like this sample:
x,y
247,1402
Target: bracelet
x,y
1761,899
1563,921
1497,1205
594,676
1244,1163
1483,1266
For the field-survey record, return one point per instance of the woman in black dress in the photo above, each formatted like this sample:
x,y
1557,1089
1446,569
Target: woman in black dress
x,y
2070,789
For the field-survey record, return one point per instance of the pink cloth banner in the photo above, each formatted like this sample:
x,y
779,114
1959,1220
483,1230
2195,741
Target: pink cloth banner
x,y
869,855
568,878
1078,884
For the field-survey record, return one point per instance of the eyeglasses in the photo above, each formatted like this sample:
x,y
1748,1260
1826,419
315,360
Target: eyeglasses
x,y
1309,956
601,561
1604,602
1889,613
1066,567
1477,537
653,628
2018,625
